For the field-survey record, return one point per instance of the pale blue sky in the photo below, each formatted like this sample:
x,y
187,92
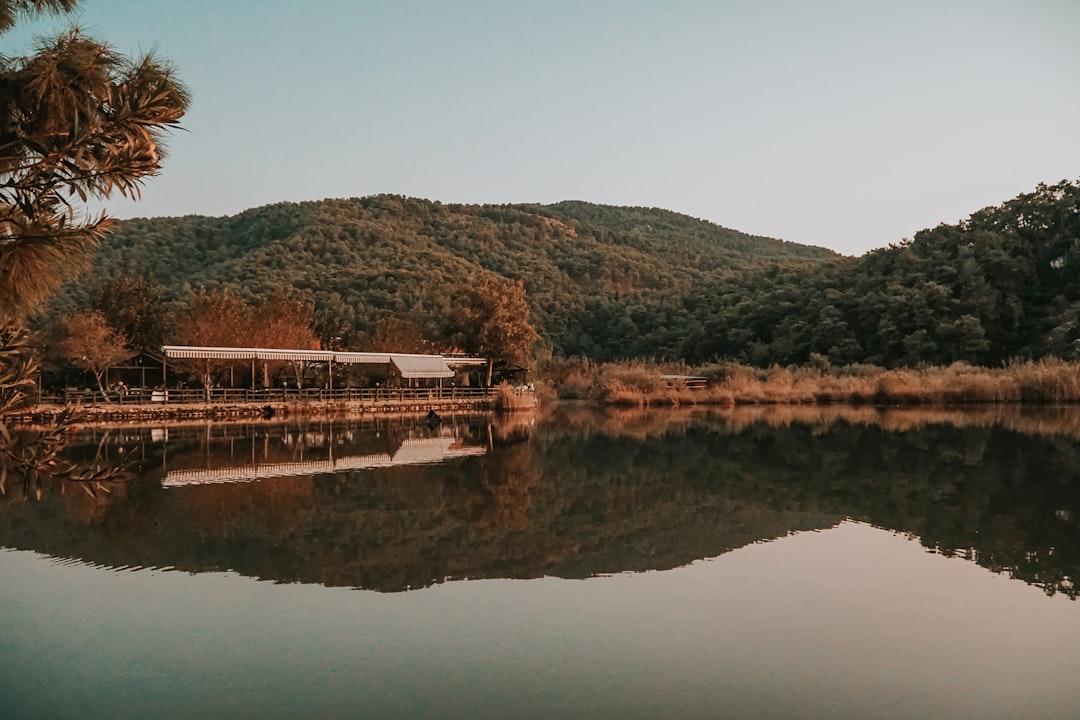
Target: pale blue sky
x,y
845,124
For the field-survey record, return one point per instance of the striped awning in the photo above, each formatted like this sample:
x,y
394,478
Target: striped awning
x,y
234,353
421,366
410,366
413,451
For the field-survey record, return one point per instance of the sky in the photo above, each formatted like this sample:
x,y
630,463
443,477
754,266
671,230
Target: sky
x,y
846,124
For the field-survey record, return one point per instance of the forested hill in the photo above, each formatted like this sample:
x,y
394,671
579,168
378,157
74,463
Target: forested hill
x,y
1002,284
584,266
607,283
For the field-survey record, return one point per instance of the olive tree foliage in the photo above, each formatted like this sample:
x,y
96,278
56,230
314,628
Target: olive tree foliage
x,y
400,335
213,319
283,320
220,318
493,320
78,123
89,342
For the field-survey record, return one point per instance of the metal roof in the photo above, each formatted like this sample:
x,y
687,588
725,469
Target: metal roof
x,y
458,360
238,353
411,366
421,366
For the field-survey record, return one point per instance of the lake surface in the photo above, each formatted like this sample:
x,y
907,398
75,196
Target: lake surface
x,y
800,563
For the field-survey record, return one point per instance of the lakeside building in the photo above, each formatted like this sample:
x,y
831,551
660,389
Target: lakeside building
x,y
383,369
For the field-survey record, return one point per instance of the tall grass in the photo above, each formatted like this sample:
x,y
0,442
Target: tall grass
x,y
506,398
640,383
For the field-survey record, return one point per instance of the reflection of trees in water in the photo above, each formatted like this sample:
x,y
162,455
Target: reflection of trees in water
x,y
586,492
1062,420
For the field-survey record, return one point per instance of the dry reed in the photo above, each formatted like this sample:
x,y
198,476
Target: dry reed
x,y
1048,381
506,398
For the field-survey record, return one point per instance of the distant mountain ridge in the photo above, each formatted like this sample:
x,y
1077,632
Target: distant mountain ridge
x,y
362,259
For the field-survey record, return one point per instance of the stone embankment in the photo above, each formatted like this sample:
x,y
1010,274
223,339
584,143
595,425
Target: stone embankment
x,y
158,412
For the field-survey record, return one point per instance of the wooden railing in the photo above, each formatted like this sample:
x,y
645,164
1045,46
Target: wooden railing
x,y
146,396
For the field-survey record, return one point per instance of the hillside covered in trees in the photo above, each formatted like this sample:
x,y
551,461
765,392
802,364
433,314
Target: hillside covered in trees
x,y
1002,284
362,261
609,283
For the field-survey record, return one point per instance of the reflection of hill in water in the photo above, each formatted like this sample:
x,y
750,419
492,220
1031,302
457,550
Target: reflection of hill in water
x,y
581,495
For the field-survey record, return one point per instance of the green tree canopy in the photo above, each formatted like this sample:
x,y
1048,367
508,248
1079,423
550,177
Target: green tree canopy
x,y
493,320
222,319
134,305
89,342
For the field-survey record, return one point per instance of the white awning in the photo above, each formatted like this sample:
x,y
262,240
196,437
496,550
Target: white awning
x,y
235,353
413,451
410,366
464,361
426,451
421,366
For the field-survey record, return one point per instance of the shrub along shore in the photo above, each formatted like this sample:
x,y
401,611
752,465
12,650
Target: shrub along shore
x,y
638,383
46,414
1047,381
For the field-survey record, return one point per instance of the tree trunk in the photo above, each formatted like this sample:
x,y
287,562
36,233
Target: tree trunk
x,y
101,387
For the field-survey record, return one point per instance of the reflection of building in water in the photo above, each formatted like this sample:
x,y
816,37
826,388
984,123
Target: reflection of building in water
x,y
413,451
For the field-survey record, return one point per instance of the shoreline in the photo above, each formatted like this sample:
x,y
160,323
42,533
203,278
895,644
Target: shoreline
x,y
1026,383
115,413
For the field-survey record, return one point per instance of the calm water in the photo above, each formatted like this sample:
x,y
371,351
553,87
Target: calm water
x,y
574,564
